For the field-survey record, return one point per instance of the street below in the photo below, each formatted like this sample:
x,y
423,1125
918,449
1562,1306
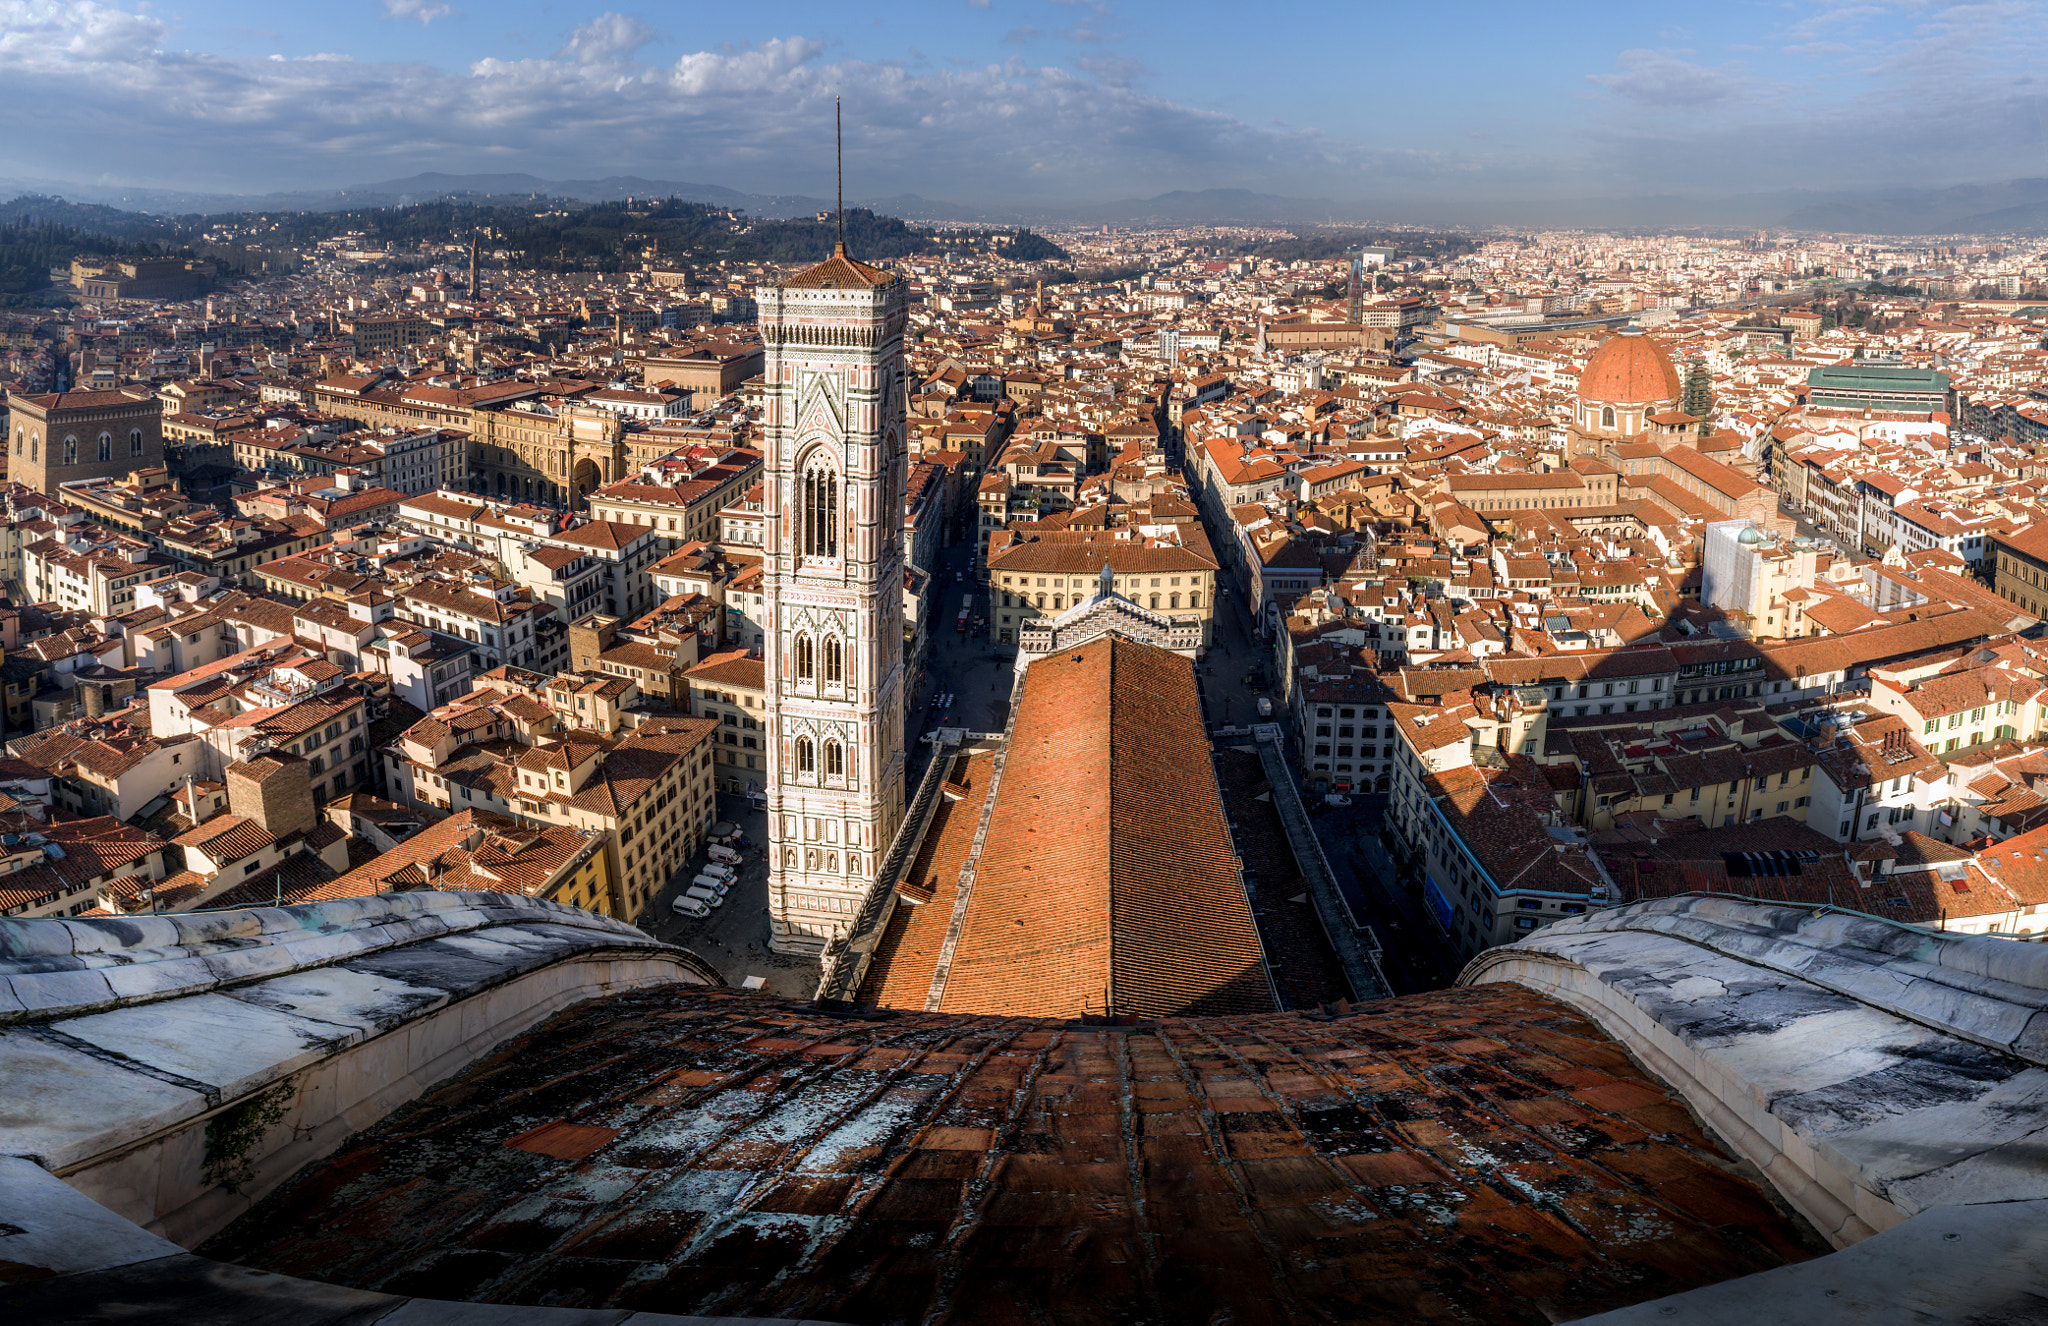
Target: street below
x,y
734,937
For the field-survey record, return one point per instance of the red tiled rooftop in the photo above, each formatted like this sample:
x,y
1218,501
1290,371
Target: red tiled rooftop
x,y
1472,1155
1108,877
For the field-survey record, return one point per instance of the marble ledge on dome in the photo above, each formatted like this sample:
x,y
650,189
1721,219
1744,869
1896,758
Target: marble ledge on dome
x,y
229,1046
75,1103
1893,1081
342,996
1990,991
51,968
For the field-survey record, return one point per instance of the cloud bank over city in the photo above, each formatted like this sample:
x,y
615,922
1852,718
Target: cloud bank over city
x,y
1043,101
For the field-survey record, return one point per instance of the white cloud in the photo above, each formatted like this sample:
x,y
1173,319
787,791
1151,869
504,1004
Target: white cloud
x,y
1659,79
756,117
1947,92
608,37
426,11
765,68
41,30
1881,93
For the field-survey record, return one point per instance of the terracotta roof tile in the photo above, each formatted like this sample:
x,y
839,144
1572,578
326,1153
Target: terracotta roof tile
x,y
1108,873
839,271
1473,1155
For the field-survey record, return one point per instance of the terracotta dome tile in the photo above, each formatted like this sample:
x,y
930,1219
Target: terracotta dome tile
x,y
1630,368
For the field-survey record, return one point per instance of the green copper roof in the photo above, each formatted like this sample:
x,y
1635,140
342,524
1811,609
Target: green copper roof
x,y
1875,377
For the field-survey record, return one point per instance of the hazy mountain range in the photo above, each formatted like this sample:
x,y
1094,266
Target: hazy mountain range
x,y
2012,206
1220,206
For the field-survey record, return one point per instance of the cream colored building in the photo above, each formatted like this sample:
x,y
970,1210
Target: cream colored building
x,y
731,689
682,512
1168,569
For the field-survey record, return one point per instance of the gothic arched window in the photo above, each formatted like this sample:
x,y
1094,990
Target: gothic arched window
x,y
34,441
818,522
1607,417
106,446
70,451
835,662
806,757
135,441
835,760
804,662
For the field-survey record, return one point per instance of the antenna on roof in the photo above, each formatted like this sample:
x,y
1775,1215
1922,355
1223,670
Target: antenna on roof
x,y
839,167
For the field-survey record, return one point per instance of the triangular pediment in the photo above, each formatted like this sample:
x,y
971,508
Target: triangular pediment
x,y
820,411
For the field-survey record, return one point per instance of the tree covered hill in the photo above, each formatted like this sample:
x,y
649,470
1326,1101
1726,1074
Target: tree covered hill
x,y
38,233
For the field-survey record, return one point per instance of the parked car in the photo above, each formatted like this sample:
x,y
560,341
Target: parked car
x,y
720,852
1265,707
1336,799
719,869
705,897
685,905
710,882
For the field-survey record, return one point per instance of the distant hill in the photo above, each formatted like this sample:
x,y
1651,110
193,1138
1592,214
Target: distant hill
x,y
430,186
426,187
1180,207
2013,205
2024,219
915,207
1216,207
2016,206
92,218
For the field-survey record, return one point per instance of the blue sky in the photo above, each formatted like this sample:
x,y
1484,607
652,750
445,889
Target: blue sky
x,y
1050,100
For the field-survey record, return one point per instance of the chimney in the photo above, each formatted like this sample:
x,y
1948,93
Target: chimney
x,y
276,790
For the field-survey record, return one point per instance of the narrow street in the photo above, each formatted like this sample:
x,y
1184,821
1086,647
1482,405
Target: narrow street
x,y
734,937
1234,651
973,672
1413,955
1803,524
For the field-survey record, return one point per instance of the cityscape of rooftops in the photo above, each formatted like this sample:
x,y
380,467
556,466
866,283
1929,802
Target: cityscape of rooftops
x,y
1023,661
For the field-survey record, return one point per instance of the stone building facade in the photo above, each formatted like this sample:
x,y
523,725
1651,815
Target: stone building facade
x,y
83,435
536,454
